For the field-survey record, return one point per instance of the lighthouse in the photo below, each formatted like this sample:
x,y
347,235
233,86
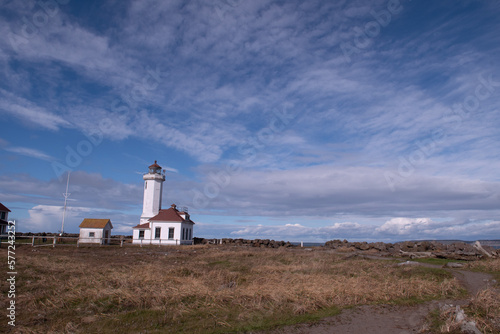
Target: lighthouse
x,y
153,186
172,226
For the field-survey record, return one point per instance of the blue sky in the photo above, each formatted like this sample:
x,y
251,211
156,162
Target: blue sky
x,y
291,120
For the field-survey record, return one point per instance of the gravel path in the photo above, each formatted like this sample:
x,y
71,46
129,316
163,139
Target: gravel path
x,y
388,319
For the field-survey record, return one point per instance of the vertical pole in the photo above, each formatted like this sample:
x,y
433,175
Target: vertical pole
x,y
66,195
33,242
141,242
302,244
121,243
54,242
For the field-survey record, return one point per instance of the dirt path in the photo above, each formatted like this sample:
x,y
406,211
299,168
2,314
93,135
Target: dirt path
x,y
388,319
472,281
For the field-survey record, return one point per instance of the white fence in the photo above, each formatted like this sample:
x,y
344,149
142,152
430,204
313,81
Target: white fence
x,y
53,241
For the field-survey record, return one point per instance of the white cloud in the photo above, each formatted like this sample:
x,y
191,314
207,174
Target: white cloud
x,y
87,190
48,218
30,112
329,190
393,230
298,232
405,226
30,152
224,68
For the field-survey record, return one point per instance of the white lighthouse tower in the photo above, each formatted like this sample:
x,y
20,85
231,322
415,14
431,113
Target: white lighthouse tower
x,y
153,186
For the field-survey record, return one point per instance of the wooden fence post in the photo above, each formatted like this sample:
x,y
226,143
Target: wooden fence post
x,y
33,242
54,243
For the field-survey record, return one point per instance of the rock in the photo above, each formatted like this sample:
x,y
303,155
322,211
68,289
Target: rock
x,y
380,246
454,265
470,328
459,314
407,246
409,263
362,245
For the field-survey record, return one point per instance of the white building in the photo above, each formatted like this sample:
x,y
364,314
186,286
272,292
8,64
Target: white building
x,y
95,231
4,219
161,227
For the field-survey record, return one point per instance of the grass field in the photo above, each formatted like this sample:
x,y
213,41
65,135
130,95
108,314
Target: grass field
x,y
201,289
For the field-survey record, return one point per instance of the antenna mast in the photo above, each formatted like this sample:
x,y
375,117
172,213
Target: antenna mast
x,y
66,195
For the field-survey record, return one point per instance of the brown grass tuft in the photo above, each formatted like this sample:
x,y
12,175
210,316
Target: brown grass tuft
x,y
485,310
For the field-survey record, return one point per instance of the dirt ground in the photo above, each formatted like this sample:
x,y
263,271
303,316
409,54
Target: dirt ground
x,y
387,319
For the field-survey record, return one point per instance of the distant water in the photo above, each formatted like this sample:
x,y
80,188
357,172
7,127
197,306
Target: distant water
x,y
493,243
308,244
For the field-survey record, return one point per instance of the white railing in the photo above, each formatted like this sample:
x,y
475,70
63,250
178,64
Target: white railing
x,y
166,242
51,240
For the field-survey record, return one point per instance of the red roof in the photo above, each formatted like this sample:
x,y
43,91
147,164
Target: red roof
x,y
145,225
155,165
170,215
3,208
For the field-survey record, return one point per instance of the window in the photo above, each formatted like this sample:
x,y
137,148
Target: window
x,y
170,232
91,234
183,234
3,215
190,234
157,232
141,234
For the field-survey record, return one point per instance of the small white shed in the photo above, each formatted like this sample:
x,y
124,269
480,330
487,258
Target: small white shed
x,y
95,231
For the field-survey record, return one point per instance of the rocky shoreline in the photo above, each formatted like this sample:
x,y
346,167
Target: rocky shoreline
x,y
456,250
410,249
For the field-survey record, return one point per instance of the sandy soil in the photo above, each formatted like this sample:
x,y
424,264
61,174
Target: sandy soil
x,y
386,319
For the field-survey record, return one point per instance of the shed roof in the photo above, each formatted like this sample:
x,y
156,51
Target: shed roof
x,y
3,208
95,223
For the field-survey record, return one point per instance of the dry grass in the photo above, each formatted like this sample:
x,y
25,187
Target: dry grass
x,y
491,266
203,289
485,310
